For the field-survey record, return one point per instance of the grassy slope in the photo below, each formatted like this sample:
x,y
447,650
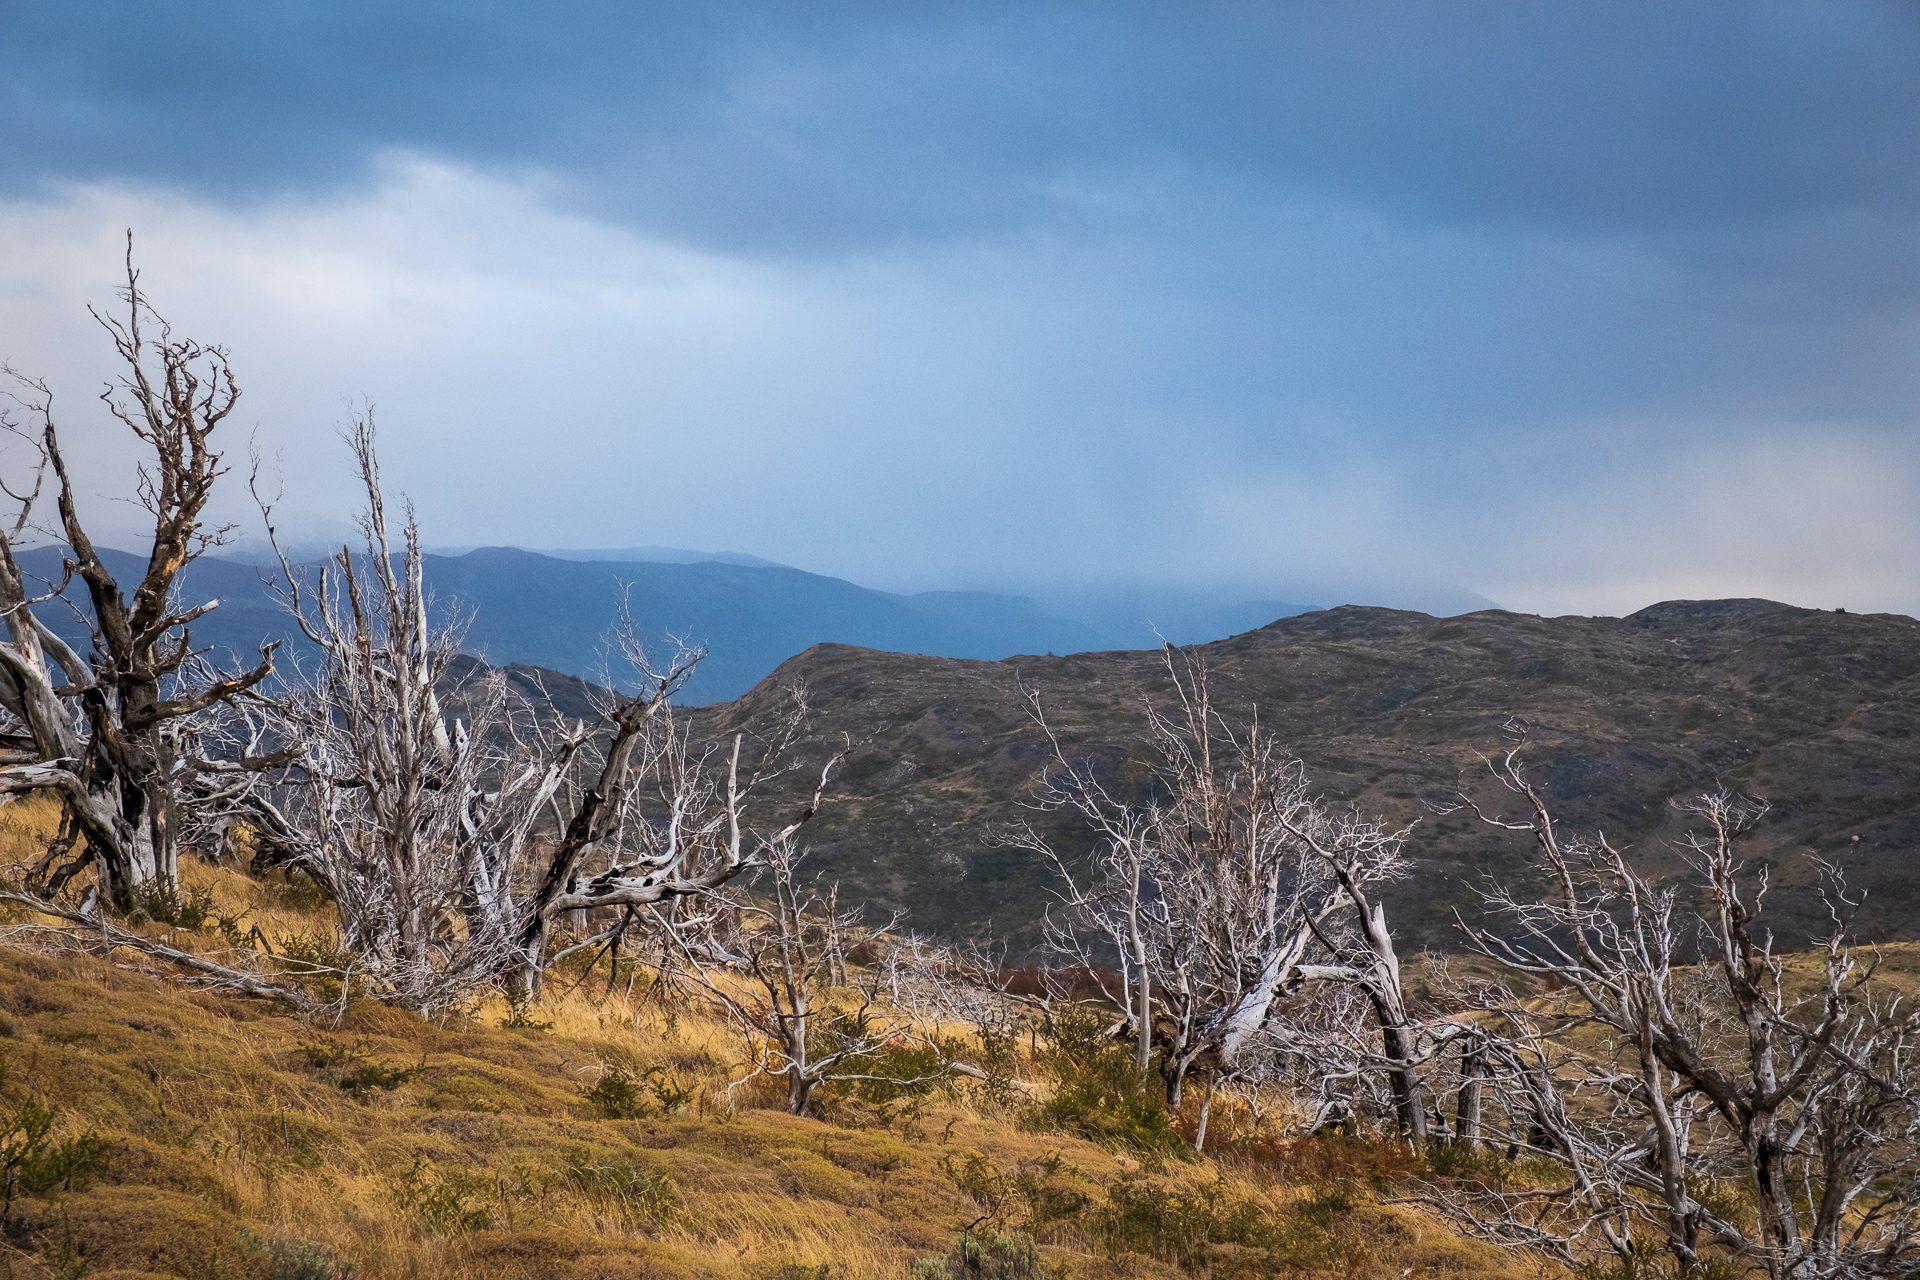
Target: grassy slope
x,y
487,1161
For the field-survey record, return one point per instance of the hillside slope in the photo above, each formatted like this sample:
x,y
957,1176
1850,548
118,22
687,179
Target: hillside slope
x,y
186,1133
1391,710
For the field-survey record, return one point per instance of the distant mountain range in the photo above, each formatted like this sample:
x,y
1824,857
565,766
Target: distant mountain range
x,y
638,555
553,612
557,613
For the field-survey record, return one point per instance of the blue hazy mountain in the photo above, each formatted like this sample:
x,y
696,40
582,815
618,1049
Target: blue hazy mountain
x,y
248,614
555,613
639,555
523,607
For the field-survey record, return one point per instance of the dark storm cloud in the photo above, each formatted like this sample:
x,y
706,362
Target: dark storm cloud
x,y
825,127
1570,303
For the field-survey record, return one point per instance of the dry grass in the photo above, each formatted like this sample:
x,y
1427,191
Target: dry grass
x,y
27,823
247,1142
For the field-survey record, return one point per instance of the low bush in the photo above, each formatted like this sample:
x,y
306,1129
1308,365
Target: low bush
x,y
799,1271
899,1080
161,901
983,1257
66,1166
1652,1262
1099,1094
353,1068
25,1129
446,1203
1211,1230
1032,1196
316,962
31,1162
998,1056
634,1091
520,1012
298,1259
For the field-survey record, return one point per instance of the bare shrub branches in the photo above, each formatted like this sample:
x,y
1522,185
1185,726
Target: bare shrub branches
x,y
1691,1083
452,823
806,1021
102,732
1225,891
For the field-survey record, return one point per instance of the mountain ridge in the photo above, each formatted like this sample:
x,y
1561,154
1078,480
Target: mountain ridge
x,y
1393,711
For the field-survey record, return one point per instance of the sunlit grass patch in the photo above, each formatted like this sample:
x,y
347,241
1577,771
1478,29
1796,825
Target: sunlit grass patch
x,y
590,1137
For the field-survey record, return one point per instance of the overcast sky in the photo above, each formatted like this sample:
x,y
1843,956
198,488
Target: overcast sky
x,y
1576,306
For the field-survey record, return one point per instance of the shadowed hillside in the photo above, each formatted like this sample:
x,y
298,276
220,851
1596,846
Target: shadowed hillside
x,y
1814,711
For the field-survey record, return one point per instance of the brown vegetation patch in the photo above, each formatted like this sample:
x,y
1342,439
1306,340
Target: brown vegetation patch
x,y
237,1137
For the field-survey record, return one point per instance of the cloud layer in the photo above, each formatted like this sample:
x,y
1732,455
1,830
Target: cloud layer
x,y
1580,307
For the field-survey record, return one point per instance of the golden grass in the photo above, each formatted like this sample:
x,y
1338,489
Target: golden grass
x,y
472,1152
27,822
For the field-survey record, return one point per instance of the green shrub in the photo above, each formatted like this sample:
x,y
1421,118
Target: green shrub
x,y
316,962
1000,1059
368,1076
228,927
31,1162
1324,1207
1035,1195
901,1073
1171,1225
447,1204
1099,1094
983,1257
800,1271
69,1166
1651,1261
298,1259
634,1091
25,1128
898,1080
1211,1231
1448,1159
639,1196
162,902
353,1068
520,1012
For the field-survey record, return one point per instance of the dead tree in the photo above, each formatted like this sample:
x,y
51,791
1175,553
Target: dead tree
x,y
658,819
451,843
1354,853
1229,889
385,801
1665,1070
805,1024
102,731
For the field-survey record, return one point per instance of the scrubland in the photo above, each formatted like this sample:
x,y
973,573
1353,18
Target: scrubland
x,y
153,1129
